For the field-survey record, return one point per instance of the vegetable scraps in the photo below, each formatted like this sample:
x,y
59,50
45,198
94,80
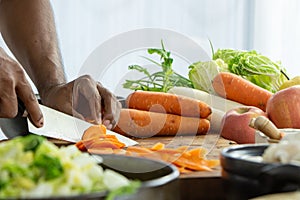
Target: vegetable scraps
x,y
160,81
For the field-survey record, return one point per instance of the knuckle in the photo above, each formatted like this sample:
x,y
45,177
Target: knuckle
x,y
8,111
85,80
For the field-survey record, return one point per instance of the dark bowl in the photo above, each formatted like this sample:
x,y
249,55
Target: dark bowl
x,y
246,176
159,179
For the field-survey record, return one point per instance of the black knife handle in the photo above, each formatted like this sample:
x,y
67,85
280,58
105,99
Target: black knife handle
x,y
21,108
17,126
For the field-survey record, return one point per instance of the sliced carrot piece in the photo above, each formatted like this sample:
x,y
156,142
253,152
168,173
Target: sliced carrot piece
x,y
94,131
158,146
183,162
104,144
198,152
211,163
100,151
119,151
80,146
183,170
138,150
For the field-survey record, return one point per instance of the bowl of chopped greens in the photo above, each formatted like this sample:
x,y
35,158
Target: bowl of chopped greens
x,y
31,167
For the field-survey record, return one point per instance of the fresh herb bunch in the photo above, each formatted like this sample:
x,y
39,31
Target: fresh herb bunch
x,y
160,81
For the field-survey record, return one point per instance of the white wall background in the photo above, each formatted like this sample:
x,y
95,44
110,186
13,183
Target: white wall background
x,y
272,27
83,26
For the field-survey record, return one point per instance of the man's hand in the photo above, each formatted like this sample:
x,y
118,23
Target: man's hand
x,y
86,99
14,85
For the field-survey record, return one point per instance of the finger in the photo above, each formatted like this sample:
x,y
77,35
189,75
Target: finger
x,y
87,97
26,95
8,103
111,106
8,97
107,124
77,115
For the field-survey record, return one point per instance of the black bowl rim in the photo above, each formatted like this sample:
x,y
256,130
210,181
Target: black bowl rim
x,y
154,182
242,166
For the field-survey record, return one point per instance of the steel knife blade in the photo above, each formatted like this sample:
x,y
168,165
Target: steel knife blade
x,y
62,126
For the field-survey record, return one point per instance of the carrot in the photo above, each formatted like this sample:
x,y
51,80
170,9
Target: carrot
x,y
101,150
105,144
140,123
80,145
94,131
236,88
197,152
157,146
138,150
168,103
185,160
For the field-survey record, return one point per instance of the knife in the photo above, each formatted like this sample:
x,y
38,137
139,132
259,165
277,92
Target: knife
x,y
57,125
62,126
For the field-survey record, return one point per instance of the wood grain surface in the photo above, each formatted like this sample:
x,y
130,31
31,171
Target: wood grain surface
x,y
200,184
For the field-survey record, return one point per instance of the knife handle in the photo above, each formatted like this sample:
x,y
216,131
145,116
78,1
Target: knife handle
x,y
21,108
17,126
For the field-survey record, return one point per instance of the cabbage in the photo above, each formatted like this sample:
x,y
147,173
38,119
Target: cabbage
x,y
201,74
254,67
31,166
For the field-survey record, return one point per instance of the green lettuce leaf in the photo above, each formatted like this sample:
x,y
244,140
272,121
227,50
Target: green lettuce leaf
x,y
201,74
254,67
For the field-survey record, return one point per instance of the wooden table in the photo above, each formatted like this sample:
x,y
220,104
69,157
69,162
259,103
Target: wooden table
x,y
201,184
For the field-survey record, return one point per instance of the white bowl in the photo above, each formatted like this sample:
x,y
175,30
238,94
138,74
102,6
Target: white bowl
x,y
290,134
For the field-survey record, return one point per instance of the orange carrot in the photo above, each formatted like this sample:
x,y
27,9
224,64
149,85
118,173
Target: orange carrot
x,y
158,146
105,144
168,103
138,150
101,150
236,88
94,131
140,123
185,160
80,145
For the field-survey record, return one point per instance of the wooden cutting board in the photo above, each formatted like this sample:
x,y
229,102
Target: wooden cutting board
x,y
201,184
212,142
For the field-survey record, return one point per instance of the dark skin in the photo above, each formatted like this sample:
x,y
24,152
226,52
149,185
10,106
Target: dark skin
x,y
29,31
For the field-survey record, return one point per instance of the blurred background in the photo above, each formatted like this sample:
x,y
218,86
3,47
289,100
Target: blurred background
x,y
271,27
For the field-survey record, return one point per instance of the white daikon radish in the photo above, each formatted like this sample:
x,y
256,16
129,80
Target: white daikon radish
x,y
214,101
216,120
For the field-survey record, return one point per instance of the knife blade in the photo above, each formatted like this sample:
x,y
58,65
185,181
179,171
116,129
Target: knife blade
x,y
62,126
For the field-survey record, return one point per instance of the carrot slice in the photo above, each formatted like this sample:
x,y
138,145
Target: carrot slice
x,y
158,146
104,144
94,131
138,150
198,152
100,151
